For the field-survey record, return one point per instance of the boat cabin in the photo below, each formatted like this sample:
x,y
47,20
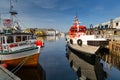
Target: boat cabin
x,y
8,41
74,29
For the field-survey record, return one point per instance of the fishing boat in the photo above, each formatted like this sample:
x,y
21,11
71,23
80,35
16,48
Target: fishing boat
x,y
77,36
17,47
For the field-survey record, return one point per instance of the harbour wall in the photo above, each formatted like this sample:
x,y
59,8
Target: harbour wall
x,y
114,47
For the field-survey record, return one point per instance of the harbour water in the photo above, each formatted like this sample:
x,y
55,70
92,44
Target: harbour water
x,y
55,64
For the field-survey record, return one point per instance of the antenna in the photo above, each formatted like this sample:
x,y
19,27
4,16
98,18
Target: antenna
x,y
76,14
0,21
91,26
76,22
12,12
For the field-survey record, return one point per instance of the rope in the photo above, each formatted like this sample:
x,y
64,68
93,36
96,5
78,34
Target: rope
x,y
14,70
20,22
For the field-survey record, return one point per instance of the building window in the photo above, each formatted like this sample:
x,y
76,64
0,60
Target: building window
x,y
115,32
117,24
106,26
98,27
102,27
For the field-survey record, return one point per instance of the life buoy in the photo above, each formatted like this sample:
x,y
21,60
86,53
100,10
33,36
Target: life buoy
x,y
79,42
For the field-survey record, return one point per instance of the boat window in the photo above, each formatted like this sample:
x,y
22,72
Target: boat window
x,y
29,37
24,38
2,39
18,38
74,30
80,29
10,39
84,29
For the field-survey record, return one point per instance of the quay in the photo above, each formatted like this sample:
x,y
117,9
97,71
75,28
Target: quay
x,y
7,75
114,46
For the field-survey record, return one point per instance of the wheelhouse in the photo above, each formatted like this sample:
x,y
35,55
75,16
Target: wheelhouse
x,y
8,41
74,29
13,38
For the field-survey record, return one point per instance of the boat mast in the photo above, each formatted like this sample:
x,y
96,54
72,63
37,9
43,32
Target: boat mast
x,y
15,27
12,13
76,23
0,22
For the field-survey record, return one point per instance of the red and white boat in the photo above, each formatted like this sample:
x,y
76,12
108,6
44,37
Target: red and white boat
x,y
78,40
77,35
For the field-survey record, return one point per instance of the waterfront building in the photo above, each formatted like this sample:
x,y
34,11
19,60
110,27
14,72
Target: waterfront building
x,y
109,29
51,32
42,32
112,23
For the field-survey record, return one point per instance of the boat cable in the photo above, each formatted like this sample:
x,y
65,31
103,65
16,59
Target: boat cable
x,y
14,70
24,26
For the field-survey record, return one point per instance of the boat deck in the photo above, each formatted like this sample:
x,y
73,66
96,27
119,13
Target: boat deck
x,y
7,75
18,55
84,48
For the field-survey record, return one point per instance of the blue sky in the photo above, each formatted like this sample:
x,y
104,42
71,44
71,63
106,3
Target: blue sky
x,y
59,14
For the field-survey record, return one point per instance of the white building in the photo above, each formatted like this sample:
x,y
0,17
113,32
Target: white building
x,y
51,32
113,23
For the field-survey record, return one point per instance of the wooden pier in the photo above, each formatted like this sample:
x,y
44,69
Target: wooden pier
x,y
7,75
114,47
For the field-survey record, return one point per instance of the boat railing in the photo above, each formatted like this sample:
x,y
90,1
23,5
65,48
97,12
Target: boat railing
x,y
17,45
99,36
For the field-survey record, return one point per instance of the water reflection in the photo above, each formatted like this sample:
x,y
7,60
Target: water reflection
x,y
87,67
30,73
50,38
111,64
112,60
54,62
28,68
